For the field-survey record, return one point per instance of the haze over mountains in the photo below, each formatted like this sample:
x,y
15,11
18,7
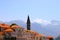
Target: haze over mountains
x,y
52,28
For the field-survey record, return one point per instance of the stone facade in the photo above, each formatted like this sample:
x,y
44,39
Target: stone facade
x,y
16,32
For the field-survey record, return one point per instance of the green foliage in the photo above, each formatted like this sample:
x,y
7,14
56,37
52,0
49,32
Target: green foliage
x,y
13,24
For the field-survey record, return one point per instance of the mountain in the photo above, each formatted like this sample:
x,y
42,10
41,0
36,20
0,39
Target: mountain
x,y
57,38
18,22
49,29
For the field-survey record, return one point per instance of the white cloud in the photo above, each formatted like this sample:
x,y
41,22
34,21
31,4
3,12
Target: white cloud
x,y
45,22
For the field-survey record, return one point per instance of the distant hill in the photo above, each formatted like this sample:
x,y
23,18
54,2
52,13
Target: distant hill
x,y
18,22
50,29
57,38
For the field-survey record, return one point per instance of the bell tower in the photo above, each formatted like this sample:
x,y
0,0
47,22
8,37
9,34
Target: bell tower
x,y
28,23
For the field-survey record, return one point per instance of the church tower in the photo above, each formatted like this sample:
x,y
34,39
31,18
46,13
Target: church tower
x,y
28,23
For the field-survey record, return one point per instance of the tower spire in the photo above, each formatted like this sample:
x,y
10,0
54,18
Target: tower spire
x,y
28,23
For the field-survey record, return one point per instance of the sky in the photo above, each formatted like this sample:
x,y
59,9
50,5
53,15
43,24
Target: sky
x,y
36,9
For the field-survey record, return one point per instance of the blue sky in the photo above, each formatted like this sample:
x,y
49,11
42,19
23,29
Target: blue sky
x,y
36,9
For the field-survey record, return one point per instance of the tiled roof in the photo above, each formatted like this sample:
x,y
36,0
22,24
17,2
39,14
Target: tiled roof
x,y
1,33
41,35
50,37
16,26
29,31
4,25
8,30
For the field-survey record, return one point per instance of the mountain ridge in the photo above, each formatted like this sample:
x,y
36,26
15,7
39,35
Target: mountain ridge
x,y
47,30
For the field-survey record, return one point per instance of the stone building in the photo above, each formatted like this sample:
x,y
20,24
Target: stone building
x,y
16,32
